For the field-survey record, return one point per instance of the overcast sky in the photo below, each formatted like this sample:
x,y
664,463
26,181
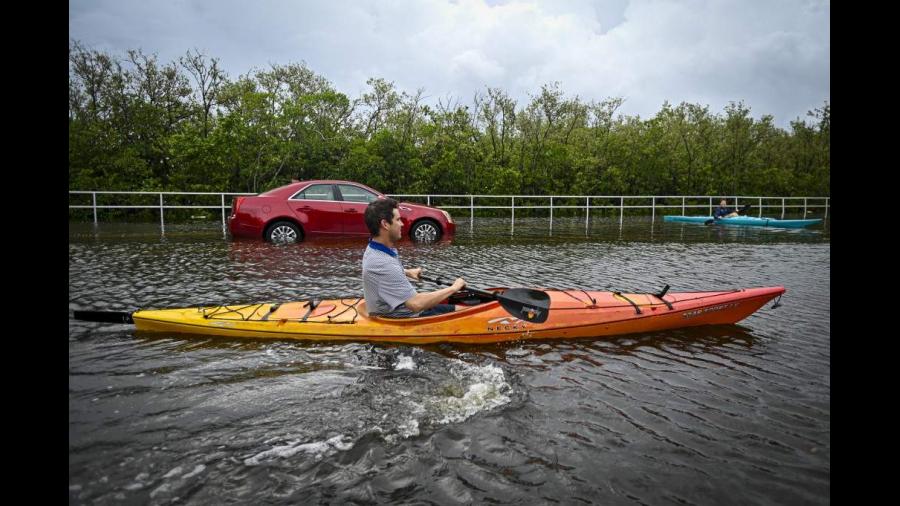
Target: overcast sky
x,y
772,54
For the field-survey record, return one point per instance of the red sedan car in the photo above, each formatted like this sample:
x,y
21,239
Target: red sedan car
x,y
326,208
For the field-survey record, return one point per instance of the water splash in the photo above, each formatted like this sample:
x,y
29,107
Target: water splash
x,y
317,449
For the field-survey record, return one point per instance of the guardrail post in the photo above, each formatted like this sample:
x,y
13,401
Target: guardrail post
x,y
471,213
682,206
162,223
224,233
782,208
512,224
621,210
760,207
94,194
653,210
428,199
804,208
826,209
551,215
587,213
710,206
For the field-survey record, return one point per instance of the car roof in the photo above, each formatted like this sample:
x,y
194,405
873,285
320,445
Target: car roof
x,y
292,187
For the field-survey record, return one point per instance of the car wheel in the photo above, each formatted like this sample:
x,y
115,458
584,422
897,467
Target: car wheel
x,y
283,232
425,231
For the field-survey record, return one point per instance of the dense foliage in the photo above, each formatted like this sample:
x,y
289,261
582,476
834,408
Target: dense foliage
x,y
138,124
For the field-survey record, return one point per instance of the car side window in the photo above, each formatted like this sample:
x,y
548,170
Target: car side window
x,y
353,193
316,192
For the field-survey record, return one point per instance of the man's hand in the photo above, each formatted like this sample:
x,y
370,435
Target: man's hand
x,y
413,273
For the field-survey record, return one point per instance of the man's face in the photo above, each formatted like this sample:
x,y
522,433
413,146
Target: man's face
x,y
723,203
395,227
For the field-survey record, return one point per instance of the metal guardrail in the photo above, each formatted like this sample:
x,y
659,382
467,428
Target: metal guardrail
x,y
653,205
162,207
621,207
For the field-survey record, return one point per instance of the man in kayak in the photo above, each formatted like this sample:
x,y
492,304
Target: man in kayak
x,y
722,211
386,285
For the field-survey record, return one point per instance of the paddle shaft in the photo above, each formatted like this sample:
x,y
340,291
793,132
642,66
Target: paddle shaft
x,y
741,212
104,316
524,303
441,281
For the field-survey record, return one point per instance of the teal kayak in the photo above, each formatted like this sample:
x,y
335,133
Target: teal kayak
x,y
745,220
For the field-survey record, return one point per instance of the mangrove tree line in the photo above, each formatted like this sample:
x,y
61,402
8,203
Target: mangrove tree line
x,y
136,123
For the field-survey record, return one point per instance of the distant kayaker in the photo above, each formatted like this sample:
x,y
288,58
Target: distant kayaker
x,y
723,211
386,285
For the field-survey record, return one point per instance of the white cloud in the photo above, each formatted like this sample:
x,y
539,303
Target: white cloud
x,y
774,55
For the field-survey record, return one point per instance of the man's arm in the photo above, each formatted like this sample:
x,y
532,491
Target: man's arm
x,y
427,300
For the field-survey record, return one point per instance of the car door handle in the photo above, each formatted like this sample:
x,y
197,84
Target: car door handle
x,y
304,208
351,210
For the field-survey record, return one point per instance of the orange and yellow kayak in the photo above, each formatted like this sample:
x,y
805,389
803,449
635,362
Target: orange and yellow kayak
x,y
572,314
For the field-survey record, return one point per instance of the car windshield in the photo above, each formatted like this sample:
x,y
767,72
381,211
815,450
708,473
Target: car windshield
x,y
352,193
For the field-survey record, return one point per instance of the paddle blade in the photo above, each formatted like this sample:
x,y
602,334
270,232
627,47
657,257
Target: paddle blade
x,y
104,316
742,211
709,222
526,304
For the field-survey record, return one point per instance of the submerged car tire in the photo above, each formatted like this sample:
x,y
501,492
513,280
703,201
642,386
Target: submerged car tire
x,y
283,232
425,231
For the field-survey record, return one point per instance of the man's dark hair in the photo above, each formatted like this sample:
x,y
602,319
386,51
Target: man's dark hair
x,y
377,210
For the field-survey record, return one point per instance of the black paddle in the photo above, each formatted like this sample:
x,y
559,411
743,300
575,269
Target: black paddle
x,y
742,211
524,303
104,316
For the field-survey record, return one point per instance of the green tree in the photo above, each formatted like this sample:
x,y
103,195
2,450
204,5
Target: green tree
x,y
138,124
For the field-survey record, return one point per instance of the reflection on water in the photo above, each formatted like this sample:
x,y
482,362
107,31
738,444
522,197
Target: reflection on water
x,y
698,415
637,228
